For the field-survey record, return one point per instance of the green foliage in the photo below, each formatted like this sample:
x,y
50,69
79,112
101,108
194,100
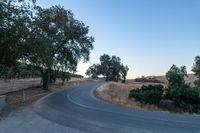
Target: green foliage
x,y
21,70
110,67
188,99
93,71
175,77
49,39
196,70
63,76
147,94
183,95
14,29
5,72
62,40
124,72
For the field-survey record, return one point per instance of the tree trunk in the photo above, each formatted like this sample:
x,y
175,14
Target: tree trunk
x,y
48,73
123,79
45,79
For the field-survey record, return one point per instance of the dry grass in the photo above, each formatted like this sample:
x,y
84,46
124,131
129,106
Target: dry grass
x,y
190,79
117,93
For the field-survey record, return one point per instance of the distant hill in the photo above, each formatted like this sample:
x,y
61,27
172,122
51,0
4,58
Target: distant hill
x,y
190,79
162,79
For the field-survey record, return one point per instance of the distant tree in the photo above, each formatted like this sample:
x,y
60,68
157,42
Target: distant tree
x,y
105,65
196,70
110,67
124,72
64,76
175,77
93,71
182,94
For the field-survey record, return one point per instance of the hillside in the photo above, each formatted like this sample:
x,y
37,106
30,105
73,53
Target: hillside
x,y
190,79
161,79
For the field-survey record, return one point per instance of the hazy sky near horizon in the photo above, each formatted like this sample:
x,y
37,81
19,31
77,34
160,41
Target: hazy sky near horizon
x,y
148,35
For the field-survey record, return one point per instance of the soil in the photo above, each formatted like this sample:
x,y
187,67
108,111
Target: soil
x,y
9,85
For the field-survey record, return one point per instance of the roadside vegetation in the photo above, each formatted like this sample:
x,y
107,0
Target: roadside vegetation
x,y
50,42
110,67
182,95
147,94
45,42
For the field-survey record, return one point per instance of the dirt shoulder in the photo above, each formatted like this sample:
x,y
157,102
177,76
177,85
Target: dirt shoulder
x,y
28,96
117,93
10,85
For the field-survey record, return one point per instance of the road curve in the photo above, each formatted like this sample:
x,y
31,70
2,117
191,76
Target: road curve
x,y
78,108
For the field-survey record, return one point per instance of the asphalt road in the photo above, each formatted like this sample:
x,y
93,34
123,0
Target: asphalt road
x,y
78,108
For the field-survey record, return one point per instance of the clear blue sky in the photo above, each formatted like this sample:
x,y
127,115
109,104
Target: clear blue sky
x,y
148,35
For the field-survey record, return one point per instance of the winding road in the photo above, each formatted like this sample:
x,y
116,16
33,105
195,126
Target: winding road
x,y
78,108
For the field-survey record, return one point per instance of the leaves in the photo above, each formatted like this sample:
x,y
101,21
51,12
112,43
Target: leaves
x,y
66,38
93,71
196,70
111,67
183,95
147,94
48,38
175,76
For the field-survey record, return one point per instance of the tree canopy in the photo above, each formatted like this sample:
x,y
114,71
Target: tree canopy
x,y
110,67
182,94
14,28
175,77
196,70
49,39
93,71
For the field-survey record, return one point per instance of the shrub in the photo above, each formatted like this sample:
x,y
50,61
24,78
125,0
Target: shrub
x,y
188,99
173,90
185,97
182,94
147,94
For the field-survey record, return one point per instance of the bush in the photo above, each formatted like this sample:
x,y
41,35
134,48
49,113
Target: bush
x,y
182,94
147,94
188,99
173,90
185,97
